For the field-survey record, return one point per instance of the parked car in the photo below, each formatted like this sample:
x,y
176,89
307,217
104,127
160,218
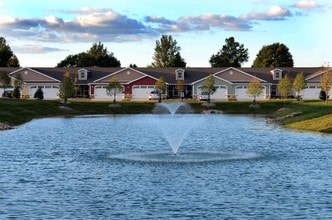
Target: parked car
x,y
203,96
7,94
153,95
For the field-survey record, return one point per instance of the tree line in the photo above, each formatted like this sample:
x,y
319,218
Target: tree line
x,y
167,54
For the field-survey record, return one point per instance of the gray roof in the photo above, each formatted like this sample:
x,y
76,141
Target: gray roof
x,y
192,74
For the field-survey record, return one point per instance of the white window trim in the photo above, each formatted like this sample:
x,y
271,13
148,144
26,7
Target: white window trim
x,y
181,72
83,72
275,72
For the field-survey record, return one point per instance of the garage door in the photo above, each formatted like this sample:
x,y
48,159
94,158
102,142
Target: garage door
x,y
101,93
220,93
241,93
141,91
311,92
49,92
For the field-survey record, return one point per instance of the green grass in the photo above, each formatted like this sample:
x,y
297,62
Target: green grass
x,y
18,112
316,116
320,124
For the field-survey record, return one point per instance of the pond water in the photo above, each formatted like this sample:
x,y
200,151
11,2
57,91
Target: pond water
x,y
122,167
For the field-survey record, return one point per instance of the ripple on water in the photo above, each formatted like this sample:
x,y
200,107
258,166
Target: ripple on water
x,y
184,157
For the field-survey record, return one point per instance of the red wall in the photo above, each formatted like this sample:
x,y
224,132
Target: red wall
x,y
144,81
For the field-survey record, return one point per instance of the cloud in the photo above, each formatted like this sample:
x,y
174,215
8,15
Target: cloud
x,y
162,20
307,4
274,13
82,11
35,49
104,24
202,22
91,24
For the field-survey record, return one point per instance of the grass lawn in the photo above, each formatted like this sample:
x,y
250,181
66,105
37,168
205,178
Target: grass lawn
x,y
315,115
320,124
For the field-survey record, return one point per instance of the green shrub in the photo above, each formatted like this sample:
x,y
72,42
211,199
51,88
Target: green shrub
x,y
16,93
39,94
322,95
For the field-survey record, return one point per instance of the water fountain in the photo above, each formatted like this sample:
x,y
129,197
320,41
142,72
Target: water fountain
x,y
172,108
174,126
175,122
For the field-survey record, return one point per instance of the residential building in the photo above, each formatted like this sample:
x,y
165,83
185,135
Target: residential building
x,y
231,83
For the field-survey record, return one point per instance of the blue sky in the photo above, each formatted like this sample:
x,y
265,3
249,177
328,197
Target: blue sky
x,y
42,33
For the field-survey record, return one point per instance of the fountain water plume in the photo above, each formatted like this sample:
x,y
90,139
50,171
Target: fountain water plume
x,y
175,127
172,108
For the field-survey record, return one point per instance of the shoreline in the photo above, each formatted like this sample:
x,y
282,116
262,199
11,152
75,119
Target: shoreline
x,y
5,126
286,113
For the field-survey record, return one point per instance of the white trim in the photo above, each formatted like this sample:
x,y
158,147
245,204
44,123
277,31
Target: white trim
x,y
274,71
127,68
316,74
203,79
85,71
177,71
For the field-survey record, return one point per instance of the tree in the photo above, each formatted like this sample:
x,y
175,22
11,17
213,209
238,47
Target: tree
x,y
18,82
4,80
13,61
69,61
114,87
39,94
16,93
299,84
274,55
326,82
208,87
7,57
97,55
232,54
179,61
167,53
18,85
254,89
285,86
160,87
67,88
180,88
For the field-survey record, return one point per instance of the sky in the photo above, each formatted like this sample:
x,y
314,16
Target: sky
x,y
42,33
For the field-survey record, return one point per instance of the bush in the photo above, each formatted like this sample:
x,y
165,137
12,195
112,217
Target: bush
x,y
39,94
16,93
322,95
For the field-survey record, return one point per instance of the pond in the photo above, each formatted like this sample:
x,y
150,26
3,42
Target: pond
x,y
123,167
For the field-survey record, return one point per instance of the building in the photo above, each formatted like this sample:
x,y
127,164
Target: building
x,y
231,83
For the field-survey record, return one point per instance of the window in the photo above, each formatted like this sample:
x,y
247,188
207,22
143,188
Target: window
x,y
277,74
82,74
179,74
